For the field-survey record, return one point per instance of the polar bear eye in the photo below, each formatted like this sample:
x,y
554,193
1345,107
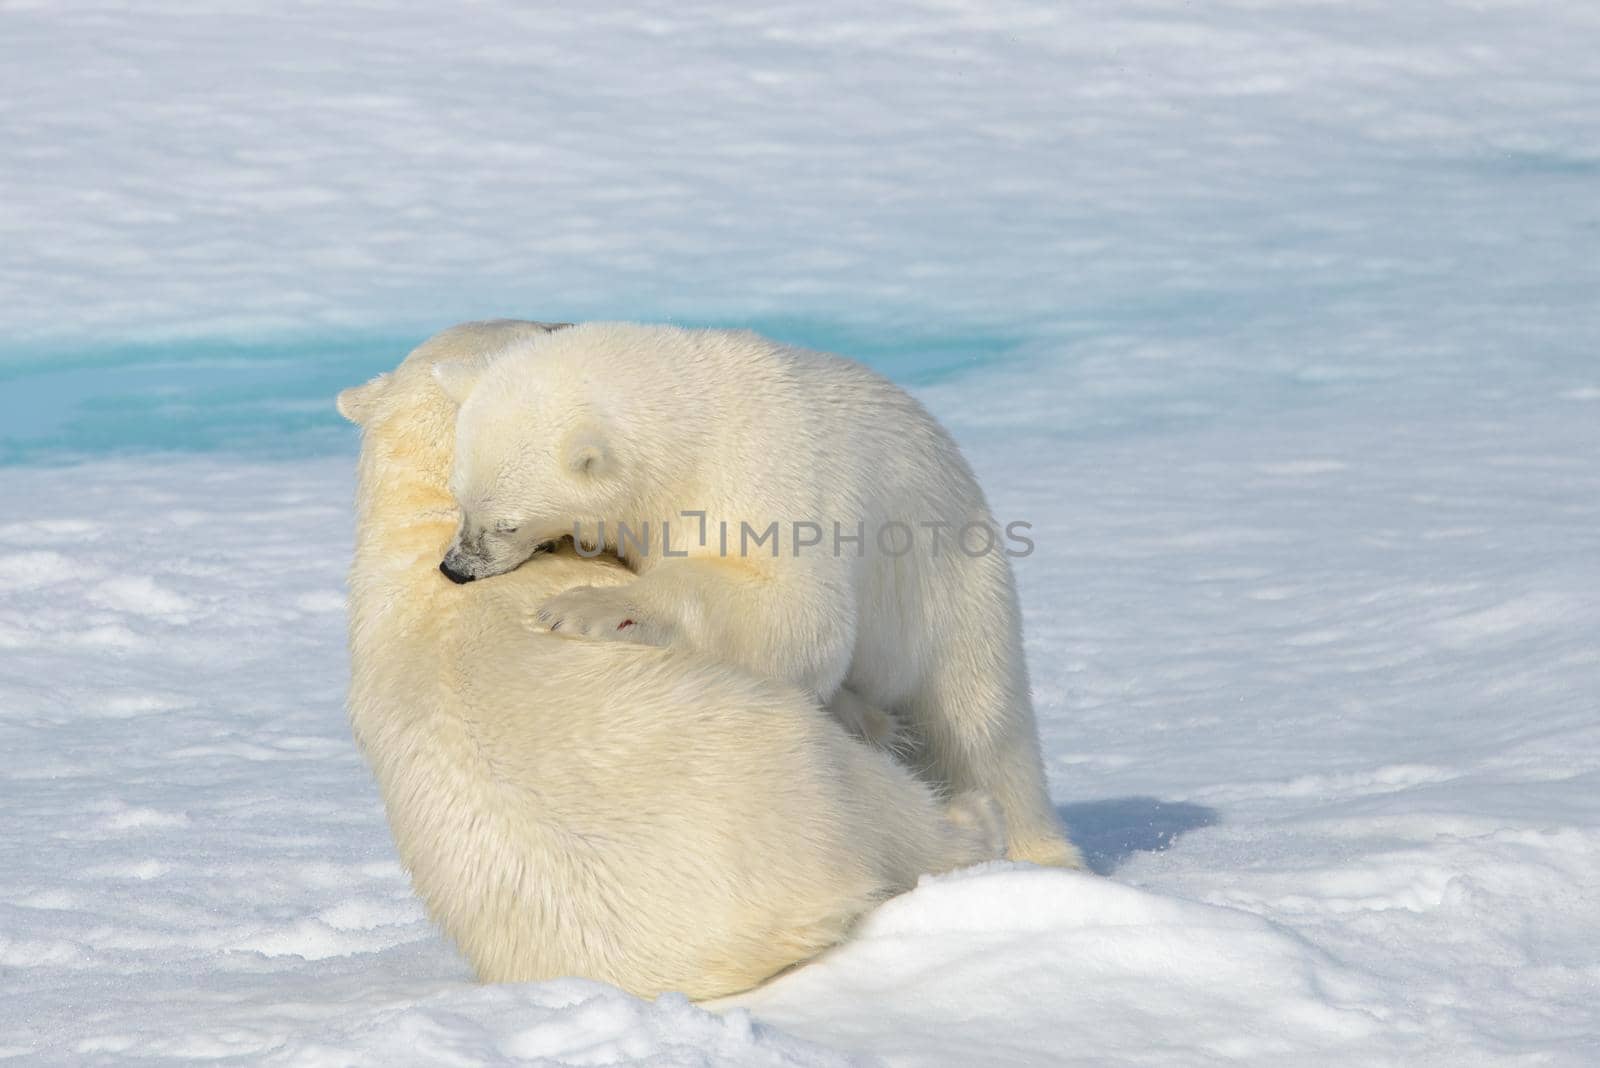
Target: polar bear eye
x,y
503,528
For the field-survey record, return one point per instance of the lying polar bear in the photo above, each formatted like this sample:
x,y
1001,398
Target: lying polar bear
x,y
841,537
566,807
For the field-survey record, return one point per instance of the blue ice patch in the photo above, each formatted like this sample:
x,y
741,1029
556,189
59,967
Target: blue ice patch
x,y
274,399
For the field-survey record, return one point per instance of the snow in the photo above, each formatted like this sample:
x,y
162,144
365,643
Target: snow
x,y
1318,701
266,166
1278,322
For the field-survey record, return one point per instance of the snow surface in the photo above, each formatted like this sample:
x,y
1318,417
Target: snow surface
x,y
1280,323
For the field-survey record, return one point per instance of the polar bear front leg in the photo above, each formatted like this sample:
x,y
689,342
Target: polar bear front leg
x,y
792,623
609,613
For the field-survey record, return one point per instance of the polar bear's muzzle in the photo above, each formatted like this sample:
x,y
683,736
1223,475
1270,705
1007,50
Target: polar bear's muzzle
x,y
458,577
461,565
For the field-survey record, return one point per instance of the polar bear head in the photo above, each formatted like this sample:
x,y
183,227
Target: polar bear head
x,y
408,420
535,452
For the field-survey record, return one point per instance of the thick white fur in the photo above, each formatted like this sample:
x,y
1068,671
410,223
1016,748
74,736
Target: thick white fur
x,y
643,816
620,422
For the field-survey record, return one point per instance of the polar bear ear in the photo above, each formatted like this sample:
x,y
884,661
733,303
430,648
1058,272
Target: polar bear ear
x,y
457,377
587,451
355,403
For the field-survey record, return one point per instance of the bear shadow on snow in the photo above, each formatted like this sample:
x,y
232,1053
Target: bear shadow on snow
x,y
1109,832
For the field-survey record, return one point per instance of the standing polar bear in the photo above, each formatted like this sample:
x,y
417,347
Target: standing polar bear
x,y
788,510
647,817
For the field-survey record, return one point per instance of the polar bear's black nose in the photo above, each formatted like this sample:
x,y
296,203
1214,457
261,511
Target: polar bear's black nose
x,y
458,577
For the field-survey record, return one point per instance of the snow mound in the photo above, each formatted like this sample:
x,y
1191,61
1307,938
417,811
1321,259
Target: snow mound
x,y
939,976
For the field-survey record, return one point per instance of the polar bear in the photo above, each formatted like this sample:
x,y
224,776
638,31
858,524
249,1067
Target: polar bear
x,y
876,563
648,817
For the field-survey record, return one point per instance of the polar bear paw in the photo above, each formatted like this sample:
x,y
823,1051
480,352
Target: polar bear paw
x,y
606,613
868,722
979,826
